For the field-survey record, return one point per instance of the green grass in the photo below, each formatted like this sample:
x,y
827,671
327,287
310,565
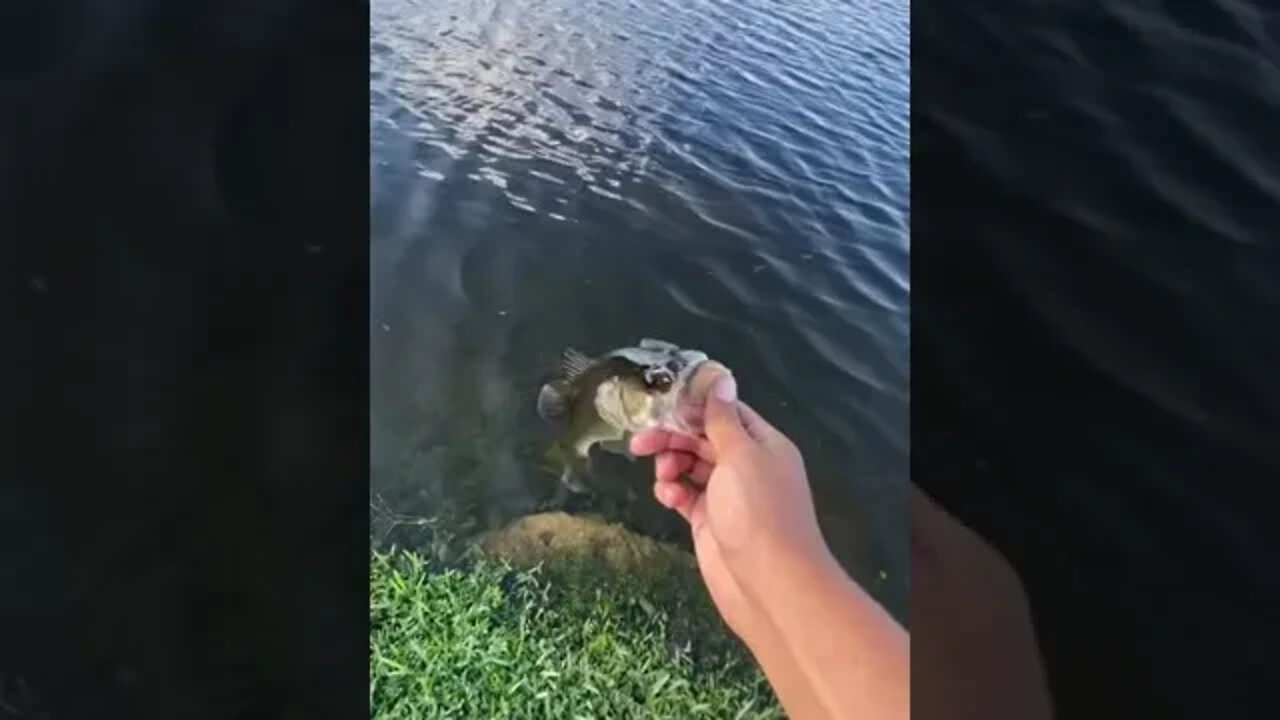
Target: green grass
x,y
489,641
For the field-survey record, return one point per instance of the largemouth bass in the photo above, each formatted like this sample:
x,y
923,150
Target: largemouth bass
x,y
604,400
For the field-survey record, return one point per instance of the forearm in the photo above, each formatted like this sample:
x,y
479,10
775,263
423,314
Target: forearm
x,y
786,677
838,651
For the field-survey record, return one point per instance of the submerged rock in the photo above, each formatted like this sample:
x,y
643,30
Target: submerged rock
x,y
580,552
557,540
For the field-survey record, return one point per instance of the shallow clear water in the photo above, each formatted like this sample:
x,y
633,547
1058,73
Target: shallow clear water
x,y
730,176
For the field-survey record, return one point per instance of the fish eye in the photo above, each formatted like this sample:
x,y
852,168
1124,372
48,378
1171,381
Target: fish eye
x,y
658,379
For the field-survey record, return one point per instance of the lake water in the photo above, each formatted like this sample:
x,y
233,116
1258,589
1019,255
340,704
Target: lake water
x,y
730,176
1097,193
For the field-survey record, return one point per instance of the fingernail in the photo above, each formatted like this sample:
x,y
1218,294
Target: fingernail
x,y
726,389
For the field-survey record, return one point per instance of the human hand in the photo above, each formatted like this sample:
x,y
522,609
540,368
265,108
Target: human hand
x,y
744,491
979,656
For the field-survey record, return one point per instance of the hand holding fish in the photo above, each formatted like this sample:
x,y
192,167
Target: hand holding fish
x,y
742,485
827,648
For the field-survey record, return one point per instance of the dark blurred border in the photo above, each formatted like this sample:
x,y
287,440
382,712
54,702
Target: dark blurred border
x,y
183,530
1116,438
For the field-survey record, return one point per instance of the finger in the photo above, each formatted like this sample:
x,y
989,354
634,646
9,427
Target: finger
x,y
669,466
752,422
700,473
689,444
723,419
649,442
652,442
675,496
755,424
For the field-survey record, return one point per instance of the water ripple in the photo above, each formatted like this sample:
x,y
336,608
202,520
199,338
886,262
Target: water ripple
x,y
1158,121
731,175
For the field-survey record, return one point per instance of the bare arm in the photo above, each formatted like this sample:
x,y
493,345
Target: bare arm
x,y
849,658
787,677
830,652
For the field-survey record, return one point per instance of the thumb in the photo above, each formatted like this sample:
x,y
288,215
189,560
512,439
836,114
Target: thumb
x,y
723,423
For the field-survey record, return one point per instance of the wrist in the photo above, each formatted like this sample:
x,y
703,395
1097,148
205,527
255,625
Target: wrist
x,y
854,655
781,570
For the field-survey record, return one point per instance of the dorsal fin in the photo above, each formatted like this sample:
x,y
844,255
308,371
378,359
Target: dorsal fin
x,y
656,344
574,363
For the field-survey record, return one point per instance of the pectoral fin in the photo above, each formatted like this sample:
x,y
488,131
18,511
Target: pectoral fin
x,y
553,400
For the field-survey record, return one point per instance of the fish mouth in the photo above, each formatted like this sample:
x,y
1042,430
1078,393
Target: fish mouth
x,y
688,414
